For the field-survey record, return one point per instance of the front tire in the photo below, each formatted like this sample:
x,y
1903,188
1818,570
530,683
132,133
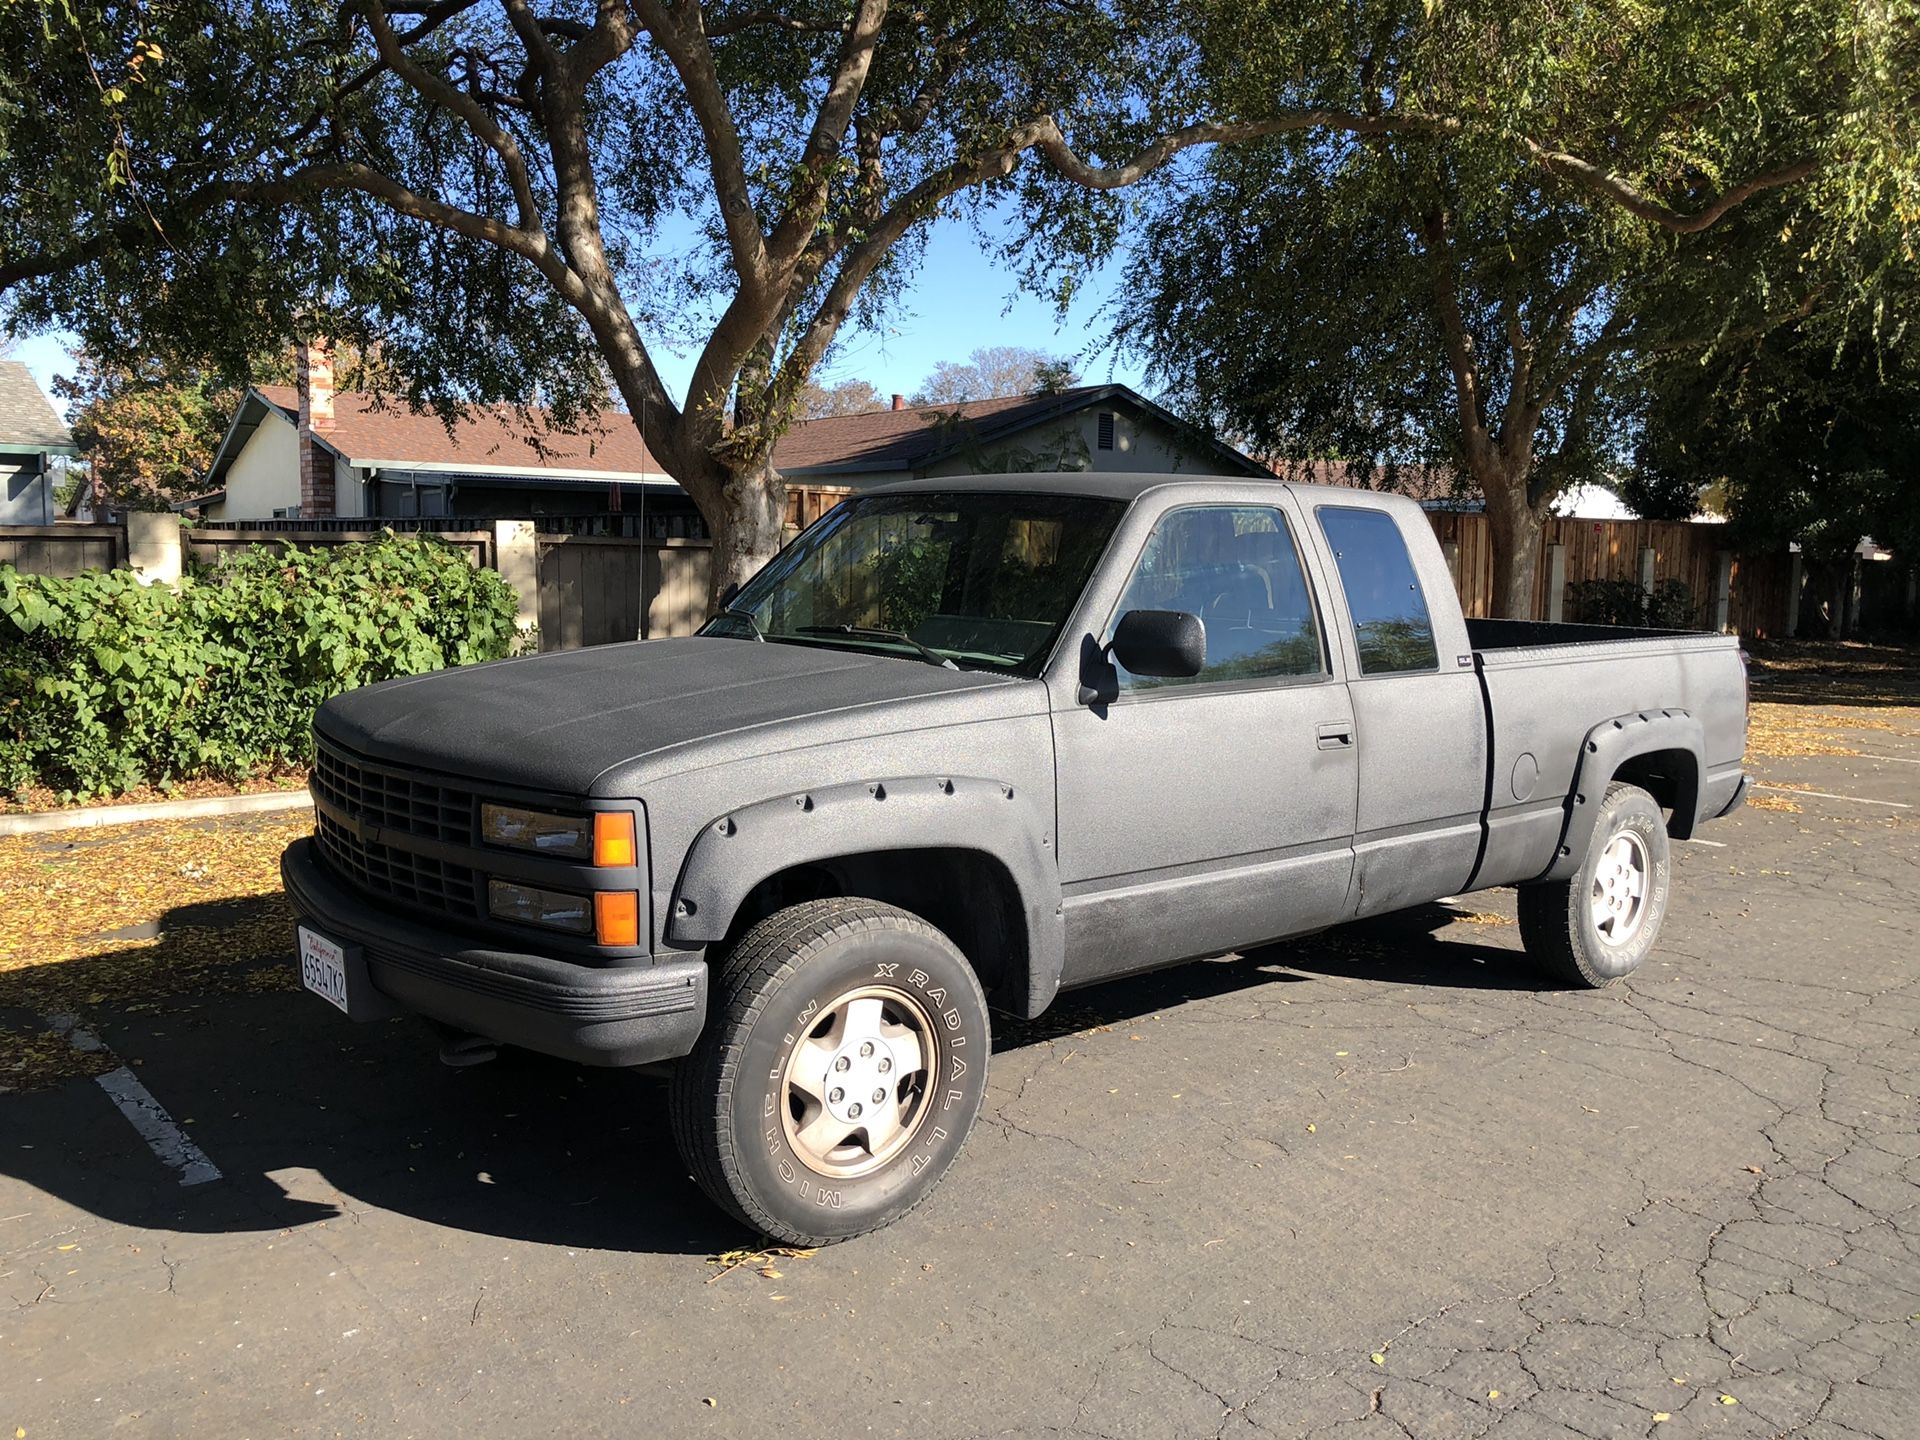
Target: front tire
x,y
1597,927
839,1073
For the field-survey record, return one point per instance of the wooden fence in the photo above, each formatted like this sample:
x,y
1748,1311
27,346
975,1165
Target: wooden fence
x,y
592,589
1692,552
63,551
595,590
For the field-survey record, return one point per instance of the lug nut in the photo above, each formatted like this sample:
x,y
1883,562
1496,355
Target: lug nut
x,y
884,1066
853,1111
843,1064
836,1095
866,1048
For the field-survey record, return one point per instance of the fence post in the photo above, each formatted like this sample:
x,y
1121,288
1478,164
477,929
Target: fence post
x,y
153,547
1722,589
516,555
1796,577
1556,583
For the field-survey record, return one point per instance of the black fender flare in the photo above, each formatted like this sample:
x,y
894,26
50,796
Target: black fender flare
x,y
1607,747
736,851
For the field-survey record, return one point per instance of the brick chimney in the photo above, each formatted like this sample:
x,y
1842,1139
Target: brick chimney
x,y
316,418
899,402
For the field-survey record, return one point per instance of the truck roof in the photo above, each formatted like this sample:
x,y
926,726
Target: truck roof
x,y
1106,484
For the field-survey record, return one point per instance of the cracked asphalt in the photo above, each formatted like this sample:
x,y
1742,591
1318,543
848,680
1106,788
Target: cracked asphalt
x,y
1375,1183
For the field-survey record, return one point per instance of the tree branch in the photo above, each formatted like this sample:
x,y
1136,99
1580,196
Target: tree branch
x,y
1623,193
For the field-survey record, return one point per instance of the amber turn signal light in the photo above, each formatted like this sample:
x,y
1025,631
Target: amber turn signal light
x,y
613,839
616,918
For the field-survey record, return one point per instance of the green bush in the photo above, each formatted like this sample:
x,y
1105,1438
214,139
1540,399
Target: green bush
x,y
1623,602
106,683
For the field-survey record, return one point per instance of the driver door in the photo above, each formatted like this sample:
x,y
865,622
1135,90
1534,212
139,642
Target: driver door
x,y
1206,814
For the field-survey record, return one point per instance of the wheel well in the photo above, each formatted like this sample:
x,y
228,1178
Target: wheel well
x,y
966,894
1672,777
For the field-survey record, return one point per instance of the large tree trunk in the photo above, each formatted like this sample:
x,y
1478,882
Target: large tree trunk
x,y
752,510
1515,527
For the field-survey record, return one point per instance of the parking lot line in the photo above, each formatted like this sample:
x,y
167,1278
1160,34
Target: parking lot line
x,y
1896,759
149,1118
1829,795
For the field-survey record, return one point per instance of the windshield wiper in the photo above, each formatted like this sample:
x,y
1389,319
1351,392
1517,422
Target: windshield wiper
x,y
728,612
868,632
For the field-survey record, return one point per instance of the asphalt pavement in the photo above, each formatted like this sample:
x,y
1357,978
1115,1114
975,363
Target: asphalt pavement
x,y
1376,1183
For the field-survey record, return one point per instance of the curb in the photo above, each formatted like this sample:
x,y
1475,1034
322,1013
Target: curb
x,y
41,822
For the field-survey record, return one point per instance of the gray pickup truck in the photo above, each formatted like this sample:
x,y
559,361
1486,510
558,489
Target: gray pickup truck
x,y
969,743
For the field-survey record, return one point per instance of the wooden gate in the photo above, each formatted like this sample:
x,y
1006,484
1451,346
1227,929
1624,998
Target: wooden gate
x,y
599,590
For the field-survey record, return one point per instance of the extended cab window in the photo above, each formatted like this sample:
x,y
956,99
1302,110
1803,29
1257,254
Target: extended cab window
x,y
1389,610
1237,569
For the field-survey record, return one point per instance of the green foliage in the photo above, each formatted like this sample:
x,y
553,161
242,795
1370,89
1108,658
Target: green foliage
x,y
909,577
106,683
1623,602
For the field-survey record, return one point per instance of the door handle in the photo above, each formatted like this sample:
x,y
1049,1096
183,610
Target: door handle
x,y
1337,735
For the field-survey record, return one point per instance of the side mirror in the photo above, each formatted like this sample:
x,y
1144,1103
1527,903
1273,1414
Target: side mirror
x,y
1164,644
726,595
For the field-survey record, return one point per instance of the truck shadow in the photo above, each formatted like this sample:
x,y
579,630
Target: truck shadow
x,y
315,1121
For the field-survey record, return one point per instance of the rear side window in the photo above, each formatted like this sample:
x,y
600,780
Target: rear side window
x,y
1390,620
1237,569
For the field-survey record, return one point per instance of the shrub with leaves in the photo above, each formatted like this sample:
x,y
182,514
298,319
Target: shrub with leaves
x,y
1623,602
106,683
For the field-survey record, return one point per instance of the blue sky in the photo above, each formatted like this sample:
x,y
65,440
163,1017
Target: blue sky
x,y
961,300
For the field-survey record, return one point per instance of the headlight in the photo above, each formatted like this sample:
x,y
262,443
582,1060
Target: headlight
x,y
527,905
605,838
568,837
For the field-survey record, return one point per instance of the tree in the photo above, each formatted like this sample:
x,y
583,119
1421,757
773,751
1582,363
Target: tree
x,y
849,397
1808,435
1412,298
994,371
500,196
147,437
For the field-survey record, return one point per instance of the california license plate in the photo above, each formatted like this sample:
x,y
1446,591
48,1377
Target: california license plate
x,y
323,968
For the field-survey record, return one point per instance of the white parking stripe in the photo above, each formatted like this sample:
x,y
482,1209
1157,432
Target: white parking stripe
x,y
1716,844
147,1115
1829,795
1896,759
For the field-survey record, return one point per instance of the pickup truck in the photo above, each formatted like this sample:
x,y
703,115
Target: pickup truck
x,y
972,742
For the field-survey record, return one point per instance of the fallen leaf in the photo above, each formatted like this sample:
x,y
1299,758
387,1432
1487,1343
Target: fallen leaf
x,y
1493,1394
1311,1128
1660,1417
769,1272
1378,1358
1728,1400
711,1403
1339,1054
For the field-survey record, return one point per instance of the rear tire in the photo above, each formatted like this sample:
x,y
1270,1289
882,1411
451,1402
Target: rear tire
x,y
1596,928
840,1070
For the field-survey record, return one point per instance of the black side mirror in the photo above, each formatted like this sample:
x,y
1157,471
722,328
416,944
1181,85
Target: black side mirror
x,y
726,595
1164,644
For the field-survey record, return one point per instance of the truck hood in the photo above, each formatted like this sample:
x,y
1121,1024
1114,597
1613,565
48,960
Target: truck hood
x,y
562,722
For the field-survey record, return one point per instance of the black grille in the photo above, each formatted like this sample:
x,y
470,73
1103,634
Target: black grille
x,y
406,877
391,799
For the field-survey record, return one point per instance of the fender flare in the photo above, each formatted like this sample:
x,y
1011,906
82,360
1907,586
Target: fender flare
x,y
1608,746
737,850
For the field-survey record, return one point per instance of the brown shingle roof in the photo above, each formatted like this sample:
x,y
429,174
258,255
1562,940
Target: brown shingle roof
x,y
902,439
365,431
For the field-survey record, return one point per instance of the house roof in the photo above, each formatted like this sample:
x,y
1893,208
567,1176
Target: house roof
x,y
28,420
1428,484
920,435
488,441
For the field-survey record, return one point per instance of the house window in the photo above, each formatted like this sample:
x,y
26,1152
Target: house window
x,y
1105,441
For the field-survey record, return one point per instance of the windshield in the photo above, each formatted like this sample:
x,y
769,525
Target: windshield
x,y
981,580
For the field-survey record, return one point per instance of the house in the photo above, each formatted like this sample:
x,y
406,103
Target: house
x,y
1090,427
31,435
308,452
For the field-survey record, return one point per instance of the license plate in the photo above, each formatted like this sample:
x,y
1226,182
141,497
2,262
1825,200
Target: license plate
x,y
323,968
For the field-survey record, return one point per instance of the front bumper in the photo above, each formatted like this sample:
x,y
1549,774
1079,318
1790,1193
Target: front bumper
x,y
626,1014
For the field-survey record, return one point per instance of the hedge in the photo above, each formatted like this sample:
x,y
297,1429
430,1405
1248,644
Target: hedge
x,y
107,684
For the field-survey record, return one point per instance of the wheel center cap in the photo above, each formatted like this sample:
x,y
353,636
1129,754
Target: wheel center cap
x,y
860,1078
